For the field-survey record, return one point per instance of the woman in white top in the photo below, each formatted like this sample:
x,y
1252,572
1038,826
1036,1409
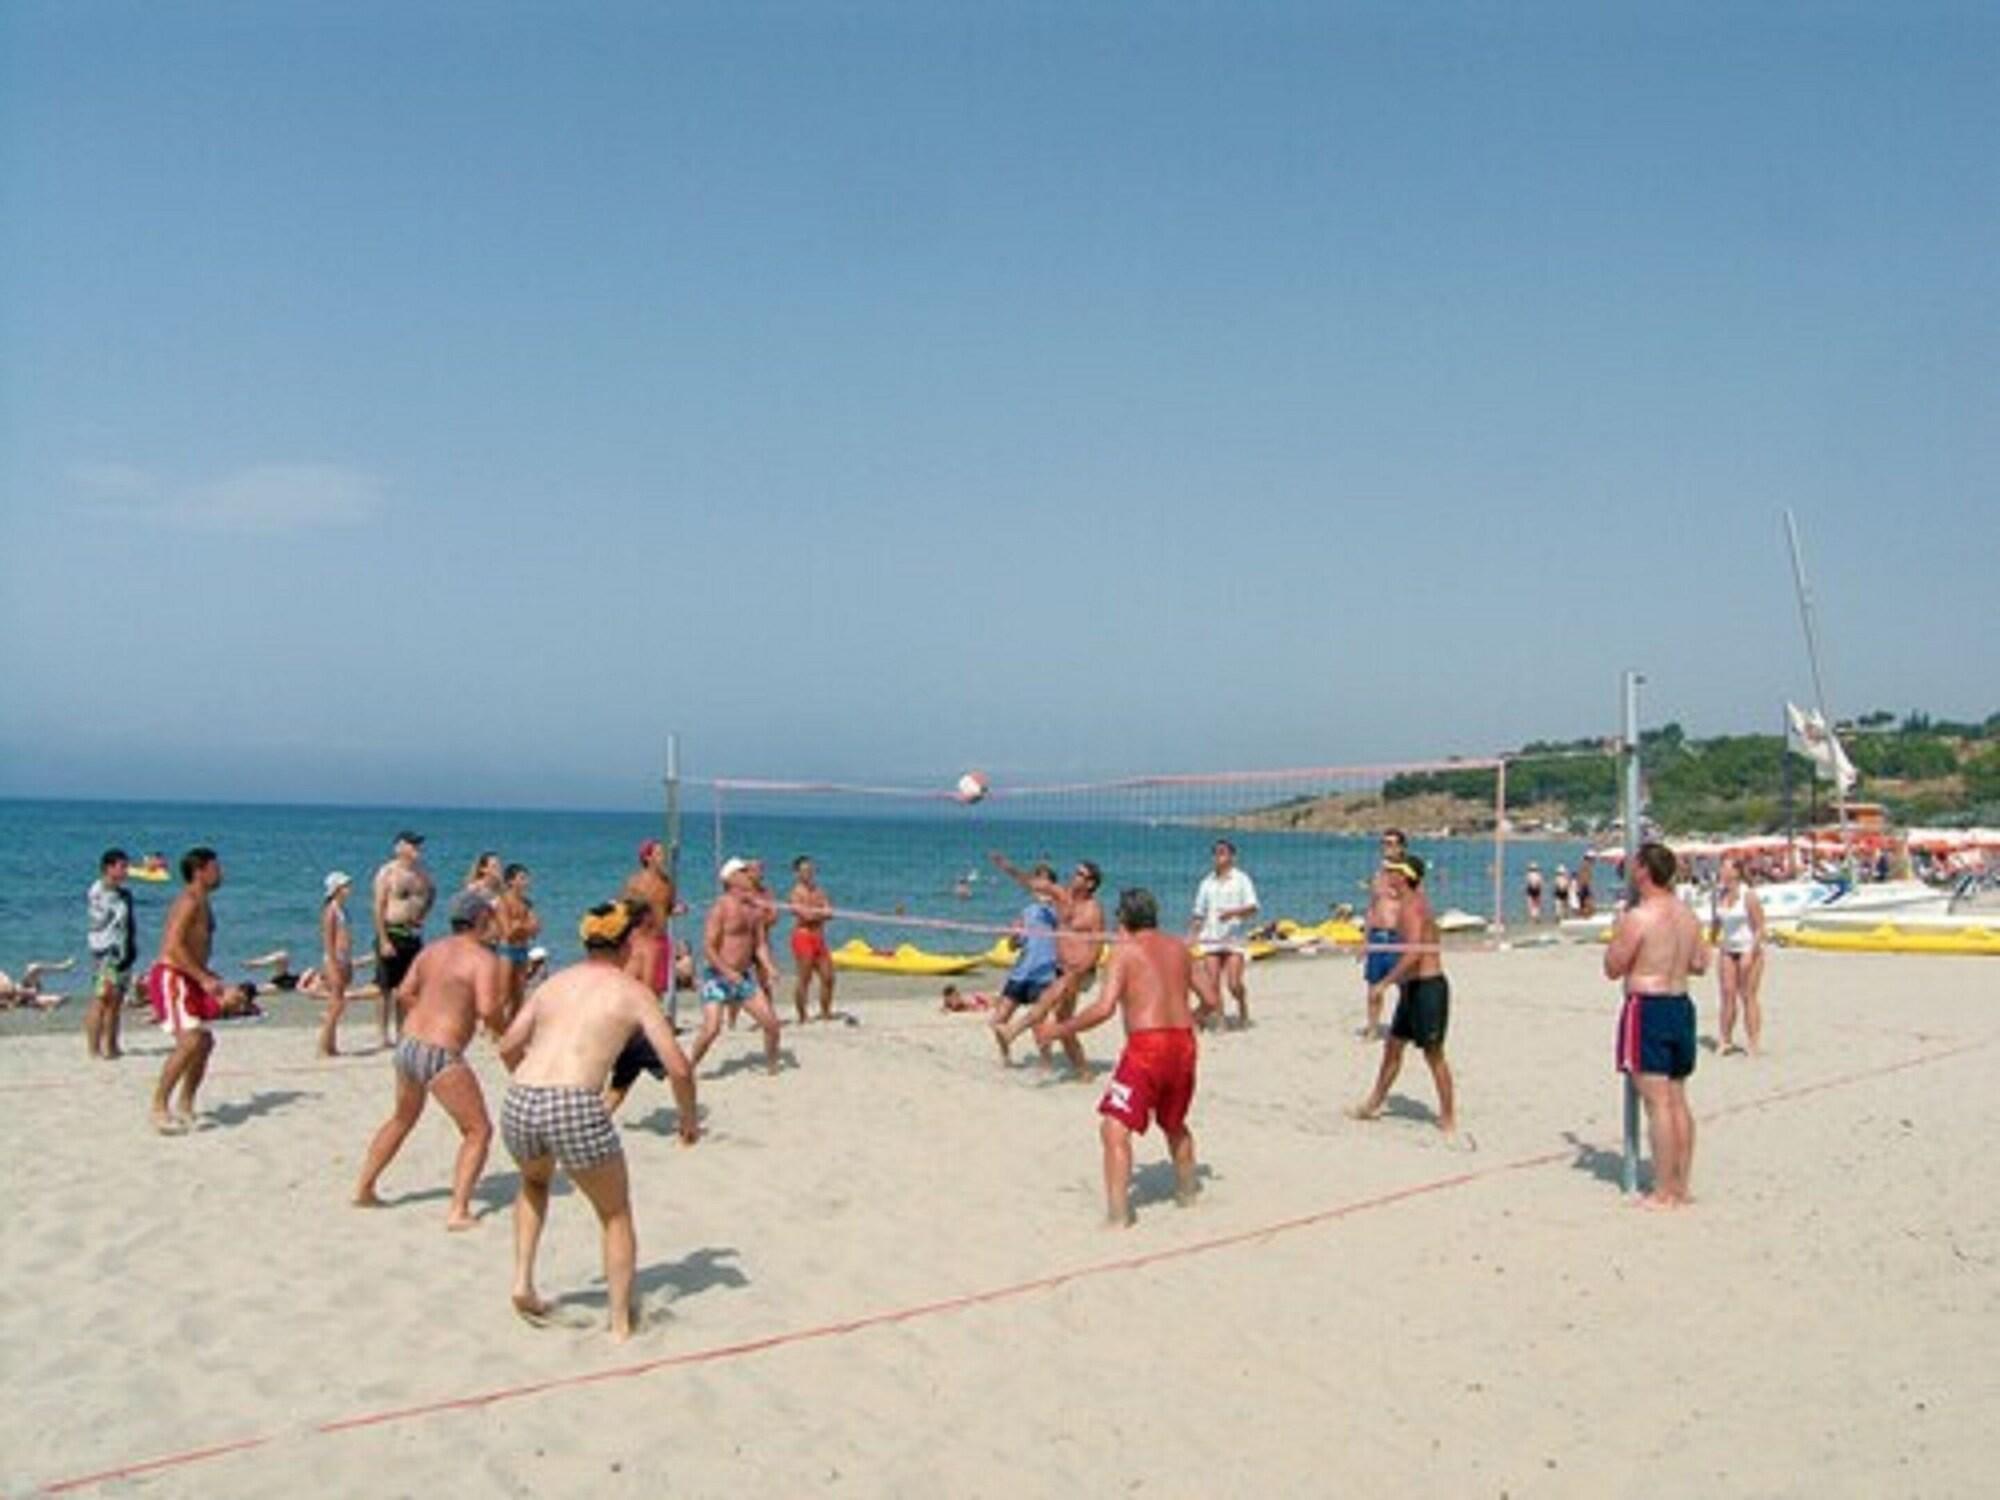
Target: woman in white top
x,y
1737,930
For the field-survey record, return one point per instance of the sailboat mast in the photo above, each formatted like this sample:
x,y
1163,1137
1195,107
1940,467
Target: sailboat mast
x,y
1807,620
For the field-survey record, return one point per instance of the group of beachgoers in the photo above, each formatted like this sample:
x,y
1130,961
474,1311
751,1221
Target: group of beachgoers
x,y
575,1041
1565,894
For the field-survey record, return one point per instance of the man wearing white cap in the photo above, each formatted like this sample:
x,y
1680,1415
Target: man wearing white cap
x,y
336,963
735,957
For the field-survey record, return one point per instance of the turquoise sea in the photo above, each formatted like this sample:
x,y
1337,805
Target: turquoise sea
x,y
274,857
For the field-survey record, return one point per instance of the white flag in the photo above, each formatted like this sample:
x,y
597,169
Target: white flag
x,y
1822,744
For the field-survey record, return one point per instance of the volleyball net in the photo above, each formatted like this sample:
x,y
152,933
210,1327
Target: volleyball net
x,y
914,864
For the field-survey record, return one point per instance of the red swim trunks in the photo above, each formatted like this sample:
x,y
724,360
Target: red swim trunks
x,y
808,944
1155,1076
663,964
180,1002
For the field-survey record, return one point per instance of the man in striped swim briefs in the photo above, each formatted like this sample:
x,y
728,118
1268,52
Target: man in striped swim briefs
x,y
561,1048
451,988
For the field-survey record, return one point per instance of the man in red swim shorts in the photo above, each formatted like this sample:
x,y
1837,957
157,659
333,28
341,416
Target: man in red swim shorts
x,y
810,906
185,992
1149,978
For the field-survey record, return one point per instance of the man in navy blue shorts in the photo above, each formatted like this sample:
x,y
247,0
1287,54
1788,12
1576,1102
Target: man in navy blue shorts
x,y
1654,948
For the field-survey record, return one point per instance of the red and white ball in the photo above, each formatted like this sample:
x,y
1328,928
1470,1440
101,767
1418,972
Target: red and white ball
x,y
972,787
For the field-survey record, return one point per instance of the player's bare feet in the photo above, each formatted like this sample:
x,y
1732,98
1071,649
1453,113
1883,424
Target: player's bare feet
x,y
458,1221
167,1124
1004,1043
531,1309
366,1199
1363,1112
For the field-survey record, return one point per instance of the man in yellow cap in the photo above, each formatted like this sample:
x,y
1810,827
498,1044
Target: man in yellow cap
x,y
560,1048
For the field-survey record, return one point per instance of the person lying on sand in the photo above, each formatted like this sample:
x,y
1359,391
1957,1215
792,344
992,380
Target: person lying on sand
x,y
28,990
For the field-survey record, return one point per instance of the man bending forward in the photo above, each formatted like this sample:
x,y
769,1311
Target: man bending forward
x,y
561,1047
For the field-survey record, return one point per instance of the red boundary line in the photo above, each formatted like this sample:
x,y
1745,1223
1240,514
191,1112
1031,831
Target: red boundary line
x,y
718,1352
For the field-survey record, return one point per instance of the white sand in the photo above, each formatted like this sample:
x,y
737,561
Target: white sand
x,y
1821,1322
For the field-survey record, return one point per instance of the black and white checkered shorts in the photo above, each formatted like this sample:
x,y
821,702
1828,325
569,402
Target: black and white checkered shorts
x,y
569,1124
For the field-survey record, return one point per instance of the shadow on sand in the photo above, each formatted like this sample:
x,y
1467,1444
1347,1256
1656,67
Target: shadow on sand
x,y
228,1116
1154,1182
692,1273
666,1121
494,1193
748,1062
1605,1166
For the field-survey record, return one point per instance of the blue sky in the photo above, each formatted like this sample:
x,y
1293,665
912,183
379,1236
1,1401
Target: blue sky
x,y
442,402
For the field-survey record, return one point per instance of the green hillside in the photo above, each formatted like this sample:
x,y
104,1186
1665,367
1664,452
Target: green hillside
x,y
1923,770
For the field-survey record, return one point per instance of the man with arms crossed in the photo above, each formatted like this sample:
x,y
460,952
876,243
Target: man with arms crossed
x,y
1078,947
560,1049
1655,946
811,906
1224,902
1149,978
1384,917
114,946
1423,1006
736,957
452,987
403,896
186,993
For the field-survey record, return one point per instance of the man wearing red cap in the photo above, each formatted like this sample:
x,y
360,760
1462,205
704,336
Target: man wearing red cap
x,y
651,885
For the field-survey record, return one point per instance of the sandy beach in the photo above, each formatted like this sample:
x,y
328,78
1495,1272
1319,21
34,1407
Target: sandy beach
x,y
882,1272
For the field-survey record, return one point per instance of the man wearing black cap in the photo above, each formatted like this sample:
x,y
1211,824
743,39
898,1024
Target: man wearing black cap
x,y
404,892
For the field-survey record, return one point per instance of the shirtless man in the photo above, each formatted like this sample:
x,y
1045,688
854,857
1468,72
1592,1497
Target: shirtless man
x,y
1149,977
114,948
810,907
451,988
1224,902
1655,946
652,884
404,892
1423,1006
1078,947
1382,922
736,958
515,929
560,1048
186,993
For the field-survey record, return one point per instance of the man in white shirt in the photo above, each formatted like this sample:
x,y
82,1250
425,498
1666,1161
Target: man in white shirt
x,y
1224,902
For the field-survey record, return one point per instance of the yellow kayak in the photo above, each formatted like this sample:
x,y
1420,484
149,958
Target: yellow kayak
x,y
855,954
1889,938
150,875
1297,934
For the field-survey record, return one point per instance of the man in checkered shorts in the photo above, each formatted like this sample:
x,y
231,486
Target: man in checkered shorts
x,y
560,1048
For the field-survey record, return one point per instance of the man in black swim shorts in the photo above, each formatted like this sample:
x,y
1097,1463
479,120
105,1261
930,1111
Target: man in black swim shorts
x,y
1423,1006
